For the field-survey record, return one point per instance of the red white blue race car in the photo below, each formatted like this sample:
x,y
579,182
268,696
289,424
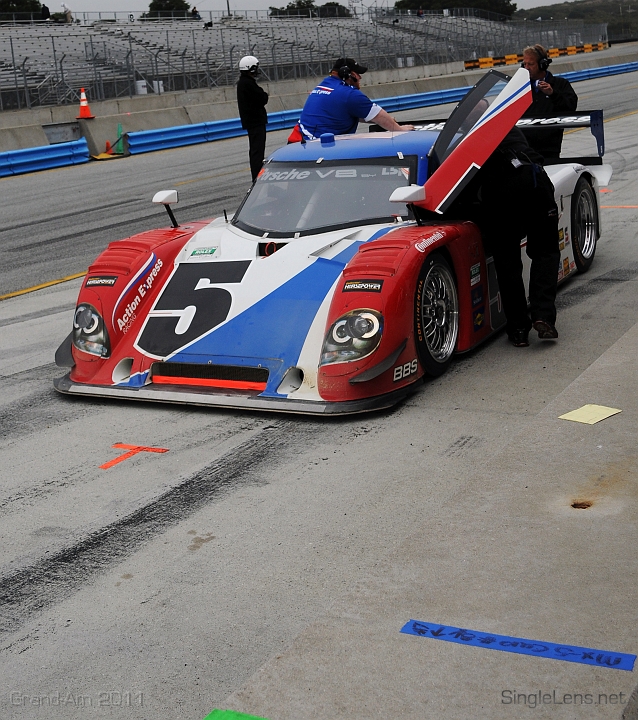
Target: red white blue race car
x,y
338,284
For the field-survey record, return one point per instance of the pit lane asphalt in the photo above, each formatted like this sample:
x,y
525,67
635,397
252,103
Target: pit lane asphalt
x,y
180,575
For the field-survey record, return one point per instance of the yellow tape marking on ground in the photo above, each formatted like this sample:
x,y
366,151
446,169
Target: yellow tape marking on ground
x,y
42,286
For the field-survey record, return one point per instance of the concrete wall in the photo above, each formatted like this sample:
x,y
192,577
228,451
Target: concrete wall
x,y
23,128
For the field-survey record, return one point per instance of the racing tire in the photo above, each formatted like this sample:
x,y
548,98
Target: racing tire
x,y
436,313
584,224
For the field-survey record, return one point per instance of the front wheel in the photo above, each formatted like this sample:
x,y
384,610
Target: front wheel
x,y
584,224
436,315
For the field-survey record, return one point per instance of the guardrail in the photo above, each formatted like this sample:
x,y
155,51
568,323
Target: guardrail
x,y
17,162
151,140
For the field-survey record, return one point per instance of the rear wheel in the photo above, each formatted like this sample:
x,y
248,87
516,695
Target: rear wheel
x,y
584,224
436,315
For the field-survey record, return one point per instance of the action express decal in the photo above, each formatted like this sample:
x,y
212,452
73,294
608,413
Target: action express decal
x,y
133,295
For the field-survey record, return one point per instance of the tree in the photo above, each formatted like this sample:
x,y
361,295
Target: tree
x,y
167,8
20,6
305,8
503,7
333,9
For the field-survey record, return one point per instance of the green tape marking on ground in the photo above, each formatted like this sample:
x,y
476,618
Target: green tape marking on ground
x,y
230,715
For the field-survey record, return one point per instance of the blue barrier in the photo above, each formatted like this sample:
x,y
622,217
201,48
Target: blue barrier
x,y
16,162
149,140
592,73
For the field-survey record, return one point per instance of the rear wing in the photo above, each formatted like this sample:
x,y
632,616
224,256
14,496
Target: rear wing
x,y
592,119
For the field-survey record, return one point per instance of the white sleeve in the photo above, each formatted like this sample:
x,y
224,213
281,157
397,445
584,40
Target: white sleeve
x,y
374,111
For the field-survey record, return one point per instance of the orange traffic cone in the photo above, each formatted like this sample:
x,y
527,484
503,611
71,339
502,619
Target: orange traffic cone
x,y
109,149
85,110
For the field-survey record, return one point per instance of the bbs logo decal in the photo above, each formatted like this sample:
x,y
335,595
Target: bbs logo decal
x,y
403,371
363,286
101,281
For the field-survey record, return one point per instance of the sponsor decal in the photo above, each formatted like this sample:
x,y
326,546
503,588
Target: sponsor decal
x,y
431,126
204,251
363,286
321,90
475,274
333,173
572,266
135,293
425,243
567,120
477,296
561,234
405,370
565,266
561,275
566,237
561,246
101,281
478,318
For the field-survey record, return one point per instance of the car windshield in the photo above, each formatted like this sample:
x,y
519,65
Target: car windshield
x,y
296,199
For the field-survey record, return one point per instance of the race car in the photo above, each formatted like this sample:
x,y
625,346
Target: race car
x,y
339,283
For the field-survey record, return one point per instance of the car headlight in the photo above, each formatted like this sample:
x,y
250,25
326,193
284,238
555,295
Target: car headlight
x,y
352,337
89,332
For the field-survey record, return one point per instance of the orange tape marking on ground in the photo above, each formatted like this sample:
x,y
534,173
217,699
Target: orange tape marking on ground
x,y
619,206
132,450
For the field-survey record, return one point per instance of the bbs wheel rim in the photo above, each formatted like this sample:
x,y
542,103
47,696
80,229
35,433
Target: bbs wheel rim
x,y
440,312
586,225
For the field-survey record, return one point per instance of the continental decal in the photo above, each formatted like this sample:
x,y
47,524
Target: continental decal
x,y
425,243
475,274
363,286
101,281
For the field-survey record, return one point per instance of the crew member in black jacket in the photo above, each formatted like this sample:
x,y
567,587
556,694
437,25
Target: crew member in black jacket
x,y
252,100
517,200
551,96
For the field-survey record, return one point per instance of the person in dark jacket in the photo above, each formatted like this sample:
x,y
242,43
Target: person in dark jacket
x,y
517,200
251,100
551,96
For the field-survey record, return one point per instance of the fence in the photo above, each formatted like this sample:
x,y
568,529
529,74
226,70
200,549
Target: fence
x,y
47,63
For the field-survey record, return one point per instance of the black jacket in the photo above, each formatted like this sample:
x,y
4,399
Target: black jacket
x,y
562,100
251,100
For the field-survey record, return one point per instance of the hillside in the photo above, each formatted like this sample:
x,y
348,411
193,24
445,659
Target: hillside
x,y
620,16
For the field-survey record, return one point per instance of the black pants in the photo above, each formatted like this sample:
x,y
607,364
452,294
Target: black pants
x,y
256,149
519,203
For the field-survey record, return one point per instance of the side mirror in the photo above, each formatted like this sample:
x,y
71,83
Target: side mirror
x,y
409,194
167,198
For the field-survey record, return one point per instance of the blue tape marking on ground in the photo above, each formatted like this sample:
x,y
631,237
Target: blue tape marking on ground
x,y
522,646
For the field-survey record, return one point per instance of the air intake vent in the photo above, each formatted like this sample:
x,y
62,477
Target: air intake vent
x,y
221,376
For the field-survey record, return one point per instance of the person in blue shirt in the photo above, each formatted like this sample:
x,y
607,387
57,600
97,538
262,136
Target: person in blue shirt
x,y
337,105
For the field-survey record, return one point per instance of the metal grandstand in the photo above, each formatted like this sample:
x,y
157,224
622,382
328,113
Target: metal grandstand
x,y
45,63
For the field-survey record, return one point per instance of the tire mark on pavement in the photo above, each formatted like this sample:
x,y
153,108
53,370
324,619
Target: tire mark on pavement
x,y
574,296
53,579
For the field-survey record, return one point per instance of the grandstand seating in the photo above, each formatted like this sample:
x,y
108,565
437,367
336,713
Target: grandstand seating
x,y
47,63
